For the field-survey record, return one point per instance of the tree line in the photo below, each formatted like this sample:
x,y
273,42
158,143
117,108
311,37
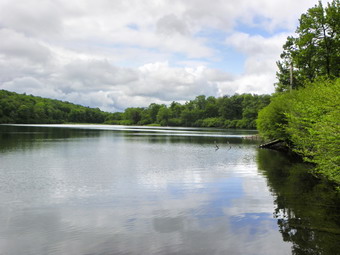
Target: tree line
x,y
28,109
237,111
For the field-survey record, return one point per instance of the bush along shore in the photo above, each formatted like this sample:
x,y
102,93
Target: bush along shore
x,y
307,120
304,113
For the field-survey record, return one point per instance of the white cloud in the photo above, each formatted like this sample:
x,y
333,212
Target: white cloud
x,y
96,75
164,82
34,18
260,63
171,24
16,45
115,54
33,86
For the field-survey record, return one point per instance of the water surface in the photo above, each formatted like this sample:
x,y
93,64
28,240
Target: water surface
x,y
97,189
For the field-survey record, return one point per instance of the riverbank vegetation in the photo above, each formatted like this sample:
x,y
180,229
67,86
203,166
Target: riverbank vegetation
x,y
305,111
237,111
308,120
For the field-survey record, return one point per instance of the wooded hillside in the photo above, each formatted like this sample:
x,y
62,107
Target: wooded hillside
x,y
20,108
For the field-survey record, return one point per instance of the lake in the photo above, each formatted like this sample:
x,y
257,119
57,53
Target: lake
x,y
101,189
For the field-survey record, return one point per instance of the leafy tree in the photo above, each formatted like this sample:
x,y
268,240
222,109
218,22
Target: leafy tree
x,y
211,108
114,118
200,102
133,115
315,52
39,112
163,116
153,111
176,109
145,118
231,107
24,113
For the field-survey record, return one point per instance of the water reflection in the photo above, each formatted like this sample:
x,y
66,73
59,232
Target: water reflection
x,y
95,191
14,137
29,136
307,209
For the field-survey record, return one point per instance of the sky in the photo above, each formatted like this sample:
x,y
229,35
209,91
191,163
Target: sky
x,y
115,54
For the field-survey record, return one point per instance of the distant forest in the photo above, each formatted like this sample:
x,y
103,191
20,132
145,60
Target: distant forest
x,y
28,109
237,111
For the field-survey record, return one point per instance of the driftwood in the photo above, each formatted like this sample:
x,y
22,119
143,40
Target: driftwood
x,y
272,144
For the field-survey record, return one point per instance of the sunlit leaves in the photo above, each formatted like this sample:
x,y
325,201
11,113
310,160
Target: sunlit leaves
x,y
309,120
315,51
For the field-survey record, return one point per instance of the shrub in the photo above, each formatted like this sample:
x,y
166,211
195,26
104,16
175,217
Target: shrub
x,y
309,120
212,122
272,119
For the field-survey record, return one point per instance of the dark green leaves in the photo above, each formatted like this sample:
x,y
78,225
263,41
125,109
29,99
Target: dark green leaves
x,y
315,52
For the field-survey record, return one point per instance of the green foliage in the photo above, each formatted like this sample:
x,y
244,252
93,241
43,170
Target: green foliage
x,y
231,107
132,115
163,116
114,118
175,122
17,108
237,111
212,122
314,126
309,120
315,52
308,117
272,119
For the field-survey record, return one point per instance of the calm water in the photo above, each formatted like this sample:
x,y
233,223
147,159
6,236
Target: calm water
x,y
91,189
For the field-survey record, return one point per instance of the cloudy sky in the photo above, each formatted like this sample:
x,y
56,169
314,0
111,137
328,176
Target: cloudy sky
x,y
113,54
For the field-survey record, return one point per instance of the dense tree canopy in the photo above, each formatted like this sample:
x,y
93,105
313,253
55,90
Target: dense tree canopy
x,y
237,111
17,108
315,51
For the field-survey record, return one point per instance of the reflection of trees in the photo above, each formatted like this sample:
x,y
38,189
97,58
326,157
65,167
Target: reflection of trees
x,y
307,209
26,137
